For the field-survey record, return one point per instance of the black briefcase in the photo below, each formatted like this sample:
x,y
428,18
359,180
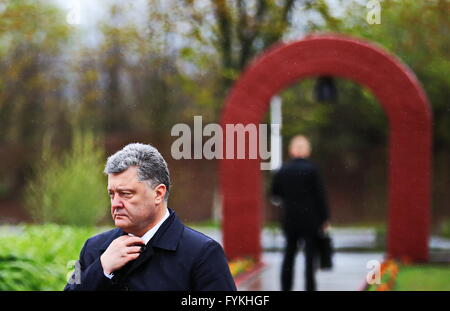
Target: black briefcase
x,y
326,251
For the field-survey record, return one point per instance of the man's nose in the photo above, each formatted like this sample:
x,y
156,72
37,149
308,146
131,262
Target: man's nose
x,y
116,201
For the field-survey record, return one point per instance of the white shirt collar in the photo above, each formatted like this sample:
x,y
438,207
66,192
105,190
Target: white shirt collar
x,y
150,233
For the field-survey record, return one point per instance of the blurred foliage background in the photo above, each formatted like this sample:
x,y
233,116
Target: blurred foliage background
x,y
72,93
133,69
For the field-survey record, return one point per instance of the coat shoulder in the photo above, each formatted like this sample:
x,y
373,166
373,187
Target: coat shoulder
x,y
197,240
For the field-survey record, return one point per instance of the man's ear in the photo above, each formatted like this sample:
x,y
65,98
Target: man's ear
x,y
160,191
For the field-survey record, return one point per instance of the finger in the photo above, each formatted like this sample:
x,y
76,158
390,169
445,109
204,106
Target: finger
x,y
132,256
122,238
134,240
133,249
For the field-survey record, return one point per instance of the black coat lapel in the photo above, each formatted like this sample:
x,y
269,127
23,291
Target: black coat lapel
x,y
166,237
147,254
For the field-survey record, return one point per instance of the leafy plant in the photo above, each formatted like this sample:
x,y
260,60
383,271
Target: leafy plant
x,y
70,191
37,257
241,265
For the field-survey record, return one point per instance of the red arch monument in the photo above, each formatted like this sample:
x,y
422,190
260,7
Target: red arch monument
x,y
400,96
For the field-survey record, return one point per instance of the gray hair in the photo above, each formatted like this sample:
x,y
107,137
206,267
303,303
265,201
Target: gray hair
x,y
151,165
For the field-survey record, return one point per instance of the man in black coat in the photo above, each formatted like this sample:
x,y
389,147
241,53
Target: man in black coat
x,y
150,249
299,189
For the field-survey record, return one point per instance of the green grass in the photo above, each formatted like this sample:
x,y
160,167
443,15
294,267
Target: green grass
x,y
209,224
423,278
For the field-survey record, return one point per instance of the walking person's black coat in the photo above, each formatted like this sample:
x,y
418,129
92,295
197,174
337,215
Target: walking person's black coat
x,y
299,186
304,212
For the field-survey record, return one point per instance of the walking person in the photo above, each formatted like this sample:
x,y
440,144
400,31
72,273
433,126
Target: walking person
x,y
299,189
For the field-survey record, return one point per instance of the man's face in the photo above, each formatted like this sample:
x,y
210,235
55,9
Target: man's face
x,y
134,205
300,148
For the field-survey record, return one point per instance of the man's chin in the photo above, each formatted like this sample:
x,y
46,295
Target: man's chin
x,y
121,223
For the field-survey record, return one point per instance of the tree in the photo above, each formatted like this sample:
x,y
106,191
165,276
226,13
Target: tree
x,y
414,31
417,33
32,35
237,31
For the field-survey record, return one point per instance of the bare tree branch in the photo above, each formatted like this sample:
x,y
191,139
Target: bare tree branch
x,y
283,23
223,16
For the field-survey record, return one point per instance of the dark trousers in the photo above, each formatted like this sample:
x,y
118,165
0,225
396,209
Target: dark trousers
x,y
309,244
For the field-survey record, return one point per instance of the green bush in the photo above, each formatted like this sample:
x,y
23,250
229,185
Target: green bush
x,y
445,229
37,257
70,190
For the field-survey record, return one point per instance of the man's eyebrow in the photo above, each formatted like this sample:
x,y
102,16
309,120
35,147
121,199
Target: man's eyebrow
x,y
122,189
